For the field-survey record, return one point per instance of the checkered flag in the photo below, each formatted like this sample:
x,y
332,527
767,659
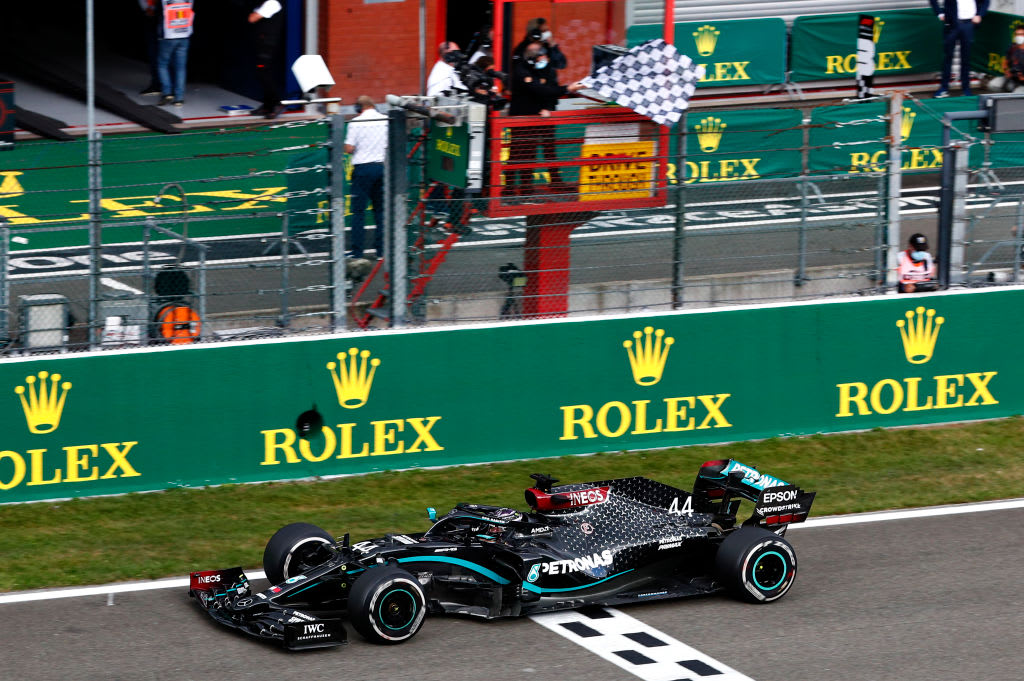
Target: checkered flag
x,y
652,79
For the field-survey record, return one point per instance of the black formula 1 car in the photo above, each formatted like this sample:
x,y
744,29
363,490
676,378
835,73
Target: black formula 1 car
x,y
594,543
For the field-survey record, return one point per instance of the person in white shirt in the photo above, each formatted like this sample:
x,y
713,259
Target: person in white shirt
x,y
366,138
959,17
443,77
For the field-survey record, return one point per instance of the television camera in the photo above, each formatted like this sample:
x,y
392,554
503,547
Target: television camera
x,y
478,80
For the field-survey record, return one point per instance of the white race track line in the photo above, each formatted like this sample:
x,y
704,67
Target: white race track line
x,y
851,519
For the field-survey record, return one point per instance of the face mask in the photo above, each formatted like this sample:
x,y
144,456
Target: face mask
x,y
545,36
919,255
1019,39
540,63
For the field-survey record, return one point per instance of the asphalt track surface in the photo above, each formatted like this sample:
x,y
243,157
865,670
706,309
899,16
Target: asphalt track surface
x,y
906,599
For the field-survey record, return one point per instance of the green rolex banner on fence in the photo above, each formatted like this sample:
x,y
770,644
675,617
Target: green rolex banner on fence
x,y
728,146
824,47
860,129
109,422
308,197
736,52
448,154
992,38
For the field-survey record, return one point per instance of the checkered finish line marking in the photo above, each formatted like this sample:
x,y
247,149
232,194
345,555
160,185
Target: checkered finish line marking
x,y
636,647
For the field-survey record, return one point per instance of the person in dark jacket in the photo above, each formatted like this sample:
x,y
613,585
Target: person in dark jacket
x,y
535,92
266,21
539,31
959,17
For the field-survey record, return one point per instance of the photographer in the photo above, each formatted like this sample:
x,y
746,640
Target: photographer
x,y
535,91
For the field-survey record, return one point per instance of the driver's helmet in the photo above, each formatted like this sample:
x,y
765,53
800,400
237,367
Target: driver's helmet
x,y
504,514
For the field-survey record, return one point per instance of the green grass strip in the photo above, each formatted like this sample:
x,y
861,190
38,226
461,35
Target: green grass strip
x,y
144,536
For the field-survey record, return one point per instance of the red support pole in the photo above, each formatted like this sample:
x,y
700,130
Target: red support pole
x,y
546,262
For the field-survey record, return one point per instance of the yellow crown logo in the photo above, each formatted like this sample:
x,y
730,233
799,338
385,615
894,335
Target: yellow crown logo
x,y
878,28
919,332
353,377
706,38
648,358
709,133
9,185
44,403
908,123
1014,25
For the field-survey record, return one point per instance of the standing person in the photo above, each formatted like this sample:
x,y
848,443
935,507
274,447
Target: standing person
x,y
366,138
443,77
535,91
176,17
1013,65
266,21
150,26
539,31
959,17
916,266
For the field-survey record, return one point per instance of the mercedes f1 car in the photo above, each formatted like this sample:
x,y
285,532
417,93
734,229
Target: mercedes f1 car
x,y
594,543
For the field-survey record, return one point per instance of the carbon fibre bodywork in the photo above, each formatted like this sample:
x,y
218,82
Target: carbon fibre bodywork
x,y
606,542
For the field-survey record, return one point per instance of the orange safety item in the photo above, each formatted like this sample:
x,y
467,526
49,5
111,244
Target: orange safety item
x,y
178,323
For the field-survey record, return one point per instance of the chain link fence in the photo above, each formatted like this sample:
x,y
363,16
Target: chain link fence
x,y
233,234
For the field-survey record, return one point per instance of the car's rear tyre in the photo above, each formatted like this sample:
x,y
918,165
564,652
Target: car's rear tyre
x,y
756,565
387,605
295,549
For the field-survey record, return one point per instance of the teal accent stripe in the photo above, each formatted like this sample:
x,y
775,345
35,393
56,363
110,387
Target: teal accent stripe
x,y
539,590
490,574
306,588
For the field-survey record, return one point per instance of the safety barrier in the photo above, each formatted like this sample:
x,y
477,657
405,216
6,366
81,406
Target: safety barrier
x,y
103,423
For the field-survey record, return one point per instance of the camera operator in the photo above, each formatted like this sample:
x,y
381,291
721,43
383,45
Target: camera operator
x,y
443,77
535,91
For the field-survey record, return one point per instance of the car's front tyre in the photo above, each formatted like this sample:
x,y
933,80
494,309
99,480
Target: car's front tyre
x,y
756,565
387,605
295,549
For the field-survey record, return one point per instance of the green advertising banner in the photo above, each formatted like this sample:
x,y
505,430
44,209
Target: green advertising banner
x,y
824,46
992,38
108,422
448,154
224,173
735,52
728,146
851,138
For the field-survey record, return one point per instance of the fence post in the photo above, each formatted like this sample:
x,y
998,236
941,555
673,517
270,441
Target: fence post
x,y
895,188
1018,240
396,214
5,286
801,266
679,236
337,187
959,223
95,155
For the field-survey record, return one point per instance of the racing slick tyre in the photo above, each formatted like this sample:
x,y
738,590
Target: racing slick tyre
x,y
387,605
294,549
756,565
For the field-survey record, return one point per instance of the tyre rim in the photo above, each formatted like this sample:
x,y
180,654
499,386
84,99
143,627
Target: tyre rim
x,y
301,558
397,609
769,571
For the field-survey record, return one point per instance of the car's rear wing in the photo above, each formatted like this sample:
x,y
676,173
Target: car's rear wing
x,y
776,501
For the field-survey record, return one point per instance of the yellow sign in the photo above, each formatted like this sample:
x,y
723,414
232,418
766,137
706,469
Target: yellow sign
x,y
43,398
632,177
648,359
919,333
353,377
